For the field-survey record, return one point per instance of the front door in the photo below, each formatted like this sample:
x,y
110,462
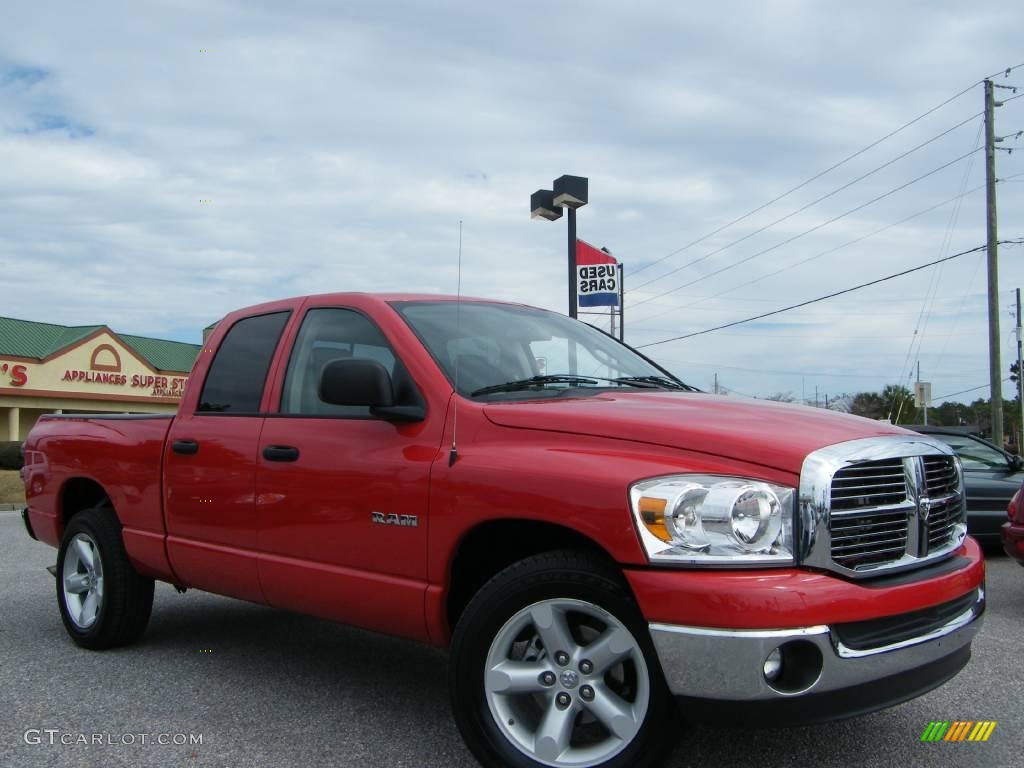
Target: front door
x,y
341,495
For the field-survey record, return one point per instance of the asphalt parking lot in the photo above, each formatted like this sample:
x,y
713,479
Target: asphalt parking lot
x,y
267,688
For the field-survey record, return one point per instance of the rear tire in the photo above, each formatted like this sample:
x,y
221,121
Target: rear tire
x,y
103,600
595,699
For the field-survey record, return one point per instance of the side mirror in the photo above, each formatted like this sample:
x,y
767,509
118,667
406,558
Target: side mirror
x,y
1016,463
352,381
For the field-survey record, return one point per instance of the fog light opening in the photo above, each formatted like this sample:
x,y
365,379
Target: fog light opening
x,y
793,667
773,666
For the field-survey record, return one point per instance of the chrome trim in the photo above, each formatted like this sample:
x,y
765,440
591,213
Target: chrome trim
x,y
728,665
965,618
813,536
759,634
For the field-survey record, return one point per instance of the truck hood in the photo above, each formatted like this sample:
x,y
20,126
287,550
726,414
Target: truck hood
x,y
778,435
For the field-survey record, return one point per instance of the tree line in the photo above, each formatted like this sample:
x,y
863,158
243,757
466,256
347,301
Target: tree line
x,y
895,403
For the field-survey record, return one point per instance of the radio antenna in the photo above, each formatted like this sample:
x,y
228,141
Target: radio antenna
x,y
453,454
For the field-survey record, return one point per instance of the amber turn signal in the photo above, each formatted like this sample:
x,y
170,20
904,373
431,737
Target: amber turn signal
x,y
652,512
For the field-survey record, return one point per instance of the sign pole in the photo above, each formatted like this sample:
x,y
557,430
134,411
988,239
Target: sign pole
x,y
572,262
622,305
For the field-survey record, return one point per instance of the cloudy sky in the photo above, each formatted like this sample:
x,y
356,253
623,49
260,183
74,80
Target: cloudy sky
x,y
161,164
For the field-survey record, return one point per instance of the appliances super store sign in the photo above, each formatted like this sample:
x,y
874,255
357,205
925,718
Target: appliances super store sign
x,y
155,386
104,375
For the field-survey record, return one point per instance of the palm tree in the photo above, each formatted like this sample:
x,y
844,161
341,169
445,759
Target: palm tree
x,y
898,402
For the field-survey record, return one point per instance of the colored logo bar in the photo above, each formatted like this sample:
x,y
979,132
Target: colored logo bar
x,y
958,730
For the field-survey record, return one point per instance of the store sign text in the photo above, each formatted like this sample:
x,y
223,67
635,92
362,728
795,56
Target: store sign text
x,y
159,386
18,374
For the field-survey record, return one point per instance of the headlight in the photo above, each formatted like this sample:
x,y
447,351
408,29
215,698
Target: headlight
x,y
709,519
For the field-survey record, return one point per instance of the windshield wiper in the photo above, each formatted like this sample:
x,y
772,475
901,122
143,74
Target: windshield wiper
x,y
644,382
534,381
662,382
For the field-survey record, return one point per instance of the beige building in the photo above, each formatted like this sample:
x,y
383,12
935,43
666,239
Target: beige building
x,y
46,368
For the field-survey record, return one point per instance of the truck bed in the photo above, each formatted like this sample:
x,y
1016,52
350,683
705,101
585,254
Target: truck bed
x,y
121,453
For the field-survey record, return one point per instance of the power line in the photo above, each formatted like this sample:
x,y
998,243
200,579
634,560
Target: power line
x,y
1006,72
808,231
812,374
816,256
818,335
959,312
828,296
808,205
1013,178
964,391
936,276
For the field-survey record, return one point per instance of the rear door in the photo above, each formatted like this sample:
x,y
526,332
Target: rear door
x,y
342,496
210,462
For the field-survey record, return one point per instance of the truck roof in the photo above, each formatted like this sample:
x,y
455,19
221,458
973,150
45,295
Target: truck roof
x,y
346,296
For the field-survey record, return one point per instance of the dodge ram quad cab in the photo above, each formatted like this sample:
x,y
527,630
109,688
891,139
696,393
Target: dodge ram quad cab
x,y
594,541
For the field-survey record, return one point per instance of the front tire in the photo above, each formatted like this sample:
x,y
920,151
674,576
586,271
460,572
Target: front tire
x,y
103,600
552,665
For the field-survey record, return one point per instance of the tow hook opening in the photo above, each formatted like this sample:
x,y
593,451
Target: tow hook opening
x,y
793,667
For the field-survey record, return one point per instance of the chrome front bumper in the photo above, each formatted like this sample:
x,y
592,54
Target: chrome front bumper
x,y
729,665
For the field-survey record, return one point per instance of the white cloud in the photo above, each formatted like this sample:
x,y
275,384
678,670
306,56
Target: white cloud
x,y
341,146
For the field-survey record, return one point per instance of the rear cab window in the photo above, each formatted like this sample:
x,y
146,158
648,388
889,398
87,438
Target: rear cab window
x,y
234,383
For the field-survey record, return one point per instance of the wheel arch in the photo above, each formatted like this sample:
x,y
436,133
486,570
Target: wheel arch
x,y
78,494
493,545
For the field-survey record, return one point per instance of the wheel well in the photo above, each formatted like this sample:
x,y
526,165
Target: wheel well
x,y
80,493
493,546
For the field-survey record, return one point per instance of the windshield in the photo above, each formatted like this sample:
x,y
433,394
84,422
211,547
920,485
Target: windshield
x,y
498,344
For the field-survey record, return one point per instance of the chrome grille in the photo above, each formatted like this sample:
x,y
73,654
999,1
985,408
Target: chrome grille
x,y
940,476
880,504
870,484
946,510
863,534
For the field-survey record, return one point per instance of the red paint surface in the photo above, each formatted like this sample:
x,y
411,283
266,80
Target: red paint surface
x,y
299,534
1012,531
782,599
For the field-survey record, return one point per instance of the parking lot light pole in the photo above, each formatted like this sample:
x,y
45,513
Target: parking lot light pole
x,y
569,192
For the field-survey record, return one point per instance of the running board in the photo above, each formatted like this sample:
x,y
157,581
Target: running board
x,y
53,570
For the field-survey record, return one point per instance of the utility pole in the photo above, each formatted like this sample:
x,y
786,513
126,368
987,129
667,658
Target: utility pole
x,y
1020,379
995,366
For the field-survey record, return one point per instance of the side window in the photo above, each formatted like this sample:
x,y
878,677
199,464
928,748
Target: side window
x,y
330,334
234,383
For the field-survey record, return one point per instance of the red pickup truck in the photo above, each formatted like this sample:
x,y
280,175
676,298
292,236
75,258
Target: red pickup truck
x,y
594,540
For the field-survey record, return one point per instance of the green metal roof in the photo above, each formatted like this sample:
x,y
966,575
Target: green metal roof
x,y
25,338
162,354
